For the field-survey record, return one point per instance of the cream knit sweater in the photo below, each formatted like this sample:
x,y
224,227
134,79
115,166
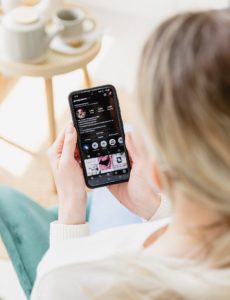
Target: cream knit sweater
x,y
74,266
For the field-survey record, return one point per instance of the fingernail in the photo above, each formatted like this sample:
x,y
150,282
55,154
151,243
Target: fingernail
x,y
70,129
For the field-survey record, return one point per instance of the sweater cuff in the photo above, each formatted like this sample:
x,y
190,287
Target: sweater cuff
x,y
62,232
163,211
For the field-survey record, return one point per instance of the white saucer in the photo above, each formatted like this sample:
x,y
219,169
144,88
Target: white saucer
x,y
88,40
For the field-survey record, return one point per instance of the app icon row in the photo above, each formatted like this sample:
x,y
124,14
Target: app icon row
x,y
103,144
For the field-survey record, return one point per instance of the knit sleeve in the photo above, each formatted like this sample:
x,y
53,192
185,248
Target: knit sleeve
x,y
62,232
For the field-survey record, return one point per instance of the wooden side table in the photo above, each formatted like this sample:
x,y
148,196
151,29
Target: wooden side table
x,y
56,64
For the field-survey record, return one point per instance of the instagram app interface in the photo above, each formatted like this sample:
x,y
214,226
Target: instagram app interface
x,y
101,137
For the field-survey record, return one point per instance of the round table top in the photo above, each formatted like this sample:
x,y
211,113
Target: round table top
x,y
55,63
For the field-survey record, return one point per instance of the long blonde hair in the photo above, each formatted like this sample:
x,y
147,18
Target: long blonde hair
x,y
184,97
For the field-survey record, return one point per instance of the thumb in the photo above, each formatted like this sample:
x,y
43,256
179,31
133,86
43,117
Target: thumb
x,y
70,141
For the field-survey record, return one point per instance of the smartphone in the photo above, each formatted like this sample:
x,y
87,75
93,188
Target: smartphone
x,y
101,140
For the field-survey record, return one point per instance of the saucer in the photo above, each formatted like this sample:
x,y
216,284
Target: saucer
x,y
88,40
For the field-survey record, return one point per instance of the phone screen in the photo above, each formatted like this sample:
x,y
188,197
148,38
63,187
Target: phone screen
x,y
101,140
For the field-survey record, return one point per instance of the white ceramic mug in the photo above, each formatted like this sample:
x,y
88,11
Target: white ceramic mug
x,y
75,24
25,37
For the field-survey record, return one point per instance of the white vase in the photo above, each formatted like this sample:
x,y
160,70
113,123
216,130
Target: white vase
x,y
8,5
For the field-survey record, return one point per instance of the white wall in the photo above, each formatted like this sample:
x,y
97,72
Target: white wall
x,y
147,8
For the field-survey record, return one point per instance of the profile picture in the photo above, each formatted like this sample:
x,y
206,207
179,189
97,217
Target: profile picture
x,y
81,113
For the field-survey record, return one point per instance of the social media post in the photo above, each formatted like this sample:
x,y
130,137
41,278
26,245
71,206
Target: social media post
x,y
105,164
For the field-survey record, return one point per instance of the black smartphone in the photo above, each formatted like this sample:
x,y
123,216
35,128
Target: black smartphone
x,y
101,140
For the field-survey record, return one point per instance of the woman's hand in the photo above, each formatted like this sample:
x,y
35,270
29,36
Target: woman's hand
x,y
137,195
68,177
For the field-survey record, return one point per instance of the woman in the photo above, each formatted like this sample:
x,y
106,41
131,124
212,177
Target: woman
x,y
182,149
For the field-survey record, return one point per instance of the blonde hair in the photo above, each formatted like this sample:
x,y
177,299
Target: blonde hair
x,y
184,99
184,96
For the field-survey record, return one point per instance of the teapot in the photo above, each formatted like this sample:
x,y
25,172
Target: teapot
x,y
25,36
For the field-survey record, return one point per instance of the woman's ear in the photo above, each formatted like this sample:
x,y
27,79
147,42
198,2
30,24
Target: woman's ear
x,y
155,176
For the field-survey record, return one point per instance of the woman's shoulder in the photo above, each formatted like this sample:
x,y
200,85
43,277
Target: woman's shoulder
x,y
87,251
135,274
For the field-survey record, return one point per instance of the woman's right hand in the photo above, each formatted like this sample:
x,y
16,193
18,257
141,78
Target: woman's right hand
x,y
136,195
69,179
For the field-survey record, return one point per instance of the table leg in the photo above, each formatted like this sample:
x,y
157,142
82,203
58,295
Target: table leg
x,y
51,118
6,85
88,82
50,110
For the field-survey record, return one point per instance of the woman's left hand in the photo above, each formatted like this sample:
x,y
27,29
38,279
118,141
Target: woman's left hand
x,y
68,176
137,195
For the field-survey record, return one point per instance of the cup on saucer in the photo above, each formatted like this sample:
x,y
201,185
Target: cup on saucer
x,y
75,25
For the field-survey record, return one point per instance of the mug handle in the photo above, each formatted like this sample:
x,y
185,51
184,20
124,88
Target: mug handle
x,y
93,22
54,31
